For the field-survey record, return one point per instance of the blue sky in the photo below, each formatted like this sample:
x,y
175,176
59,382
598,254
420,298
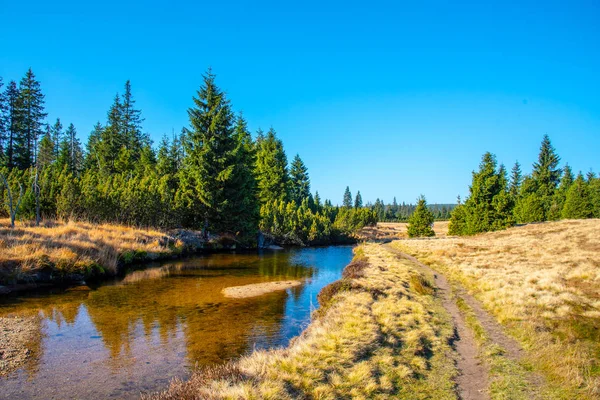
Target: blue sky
x,y
391,98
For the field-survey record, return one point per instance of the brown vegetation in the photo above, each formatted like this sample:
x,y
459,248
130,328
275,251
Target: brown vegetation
x,y
541,281
74,247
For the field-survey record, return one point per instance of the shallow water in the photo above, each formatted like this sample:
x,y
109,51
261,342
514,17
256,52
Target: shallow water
x,y
135,334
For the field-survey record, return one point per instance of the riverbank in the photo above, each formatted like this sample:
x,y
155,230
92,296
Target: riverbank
x,y
379,332
71,252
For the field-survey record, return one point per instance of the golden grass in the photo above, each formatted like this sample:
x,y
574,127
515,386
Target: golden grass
x,y
72,246
397,230
377,339
542,281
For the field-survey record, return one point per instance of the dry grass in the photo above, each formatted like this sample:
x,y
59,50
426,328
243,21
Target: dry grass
x,y
397,230
542,281
378,339
73,247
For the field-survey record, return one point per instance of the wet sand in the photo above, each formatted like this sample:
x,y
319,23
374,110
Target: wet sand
x,y
16,335
258,289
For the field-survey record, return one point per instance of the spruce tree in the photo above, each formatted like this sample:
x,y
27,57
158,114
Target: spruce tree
x,y
46,154
560,195
594,190
70,152
56,134
546,174
318,201
208,178
578,203
12,122
92,156
488,206
3,119
299,181
131,125
111,141
358,203
347,202
420,224
243,214
31,123
516,178
271,168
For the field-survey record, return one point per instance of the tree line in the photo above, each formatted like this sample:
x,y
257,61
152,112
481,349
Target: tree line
x,y
213,176
497,200
395,212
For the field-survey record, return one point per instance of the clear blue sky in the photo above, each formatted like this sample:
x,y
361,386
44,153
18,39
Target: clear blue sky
x,y
392,98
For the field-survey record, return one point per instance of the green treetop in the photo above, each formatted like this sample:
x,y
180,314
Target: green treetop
x,y
271,168
578,204
347,198
299,181
358,203
421,221
208,176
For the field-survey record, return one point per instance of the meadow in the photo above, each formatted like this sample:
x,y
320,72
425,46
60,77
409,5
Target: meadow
x,y
542,283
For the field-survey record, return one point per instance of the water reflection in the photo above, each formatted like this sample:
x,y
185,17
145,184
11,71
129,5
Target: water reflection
x,y
136,334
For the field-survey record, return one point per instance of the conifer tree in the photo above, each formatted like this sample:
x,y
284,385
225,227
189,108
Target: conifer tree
x,y
3,119
594,190
271,168
347,202
244,208
421,221
578,204
110,143
165,164
92,157
12,122
318,201
546,174
131,124
299,181
488,206
560,195
516,178
31,120
358,203
70,152
208,175
46,154
56,134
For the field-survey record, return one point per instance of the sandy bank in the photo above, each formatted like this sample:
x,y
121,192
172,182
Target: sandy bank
x,y
17,334
257,289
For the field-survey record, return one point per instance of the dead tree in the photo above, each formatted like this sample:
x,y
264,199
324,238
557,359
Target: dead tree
x,y
12,208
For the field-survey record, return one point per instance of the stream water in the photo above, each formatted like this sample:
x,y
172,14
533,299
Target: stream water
x,y
135,334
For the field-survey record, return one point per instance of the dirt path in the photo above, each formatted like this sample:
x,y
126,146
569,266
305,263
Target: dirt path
x,y
473,379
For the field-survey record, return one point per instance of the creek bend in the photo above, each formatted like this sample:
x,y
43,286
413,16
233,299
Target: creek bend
x,y
135,334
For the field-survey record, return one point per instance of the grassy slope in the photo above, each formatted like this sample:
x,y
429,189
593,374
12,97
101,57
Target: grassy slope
x,y
76,247
542,282
380,334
